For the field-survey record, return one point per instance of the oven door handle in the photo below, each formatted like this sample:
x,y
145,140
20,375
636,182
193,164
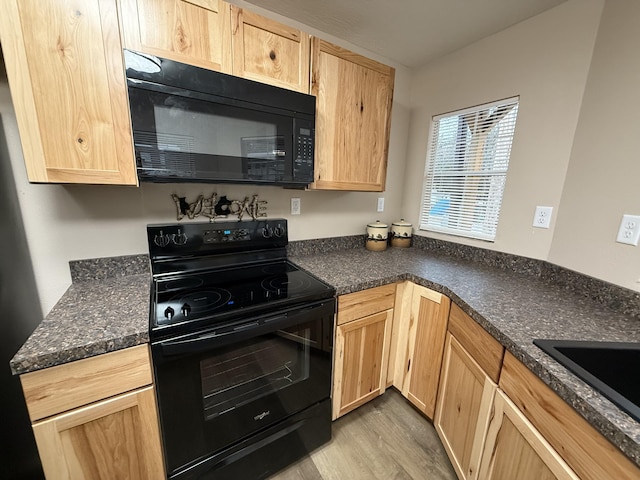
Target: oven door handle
x,y
217,338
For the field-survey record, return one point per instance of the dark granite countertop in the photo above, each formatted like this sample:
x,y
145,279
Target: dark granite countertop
x,y
111,313
91,318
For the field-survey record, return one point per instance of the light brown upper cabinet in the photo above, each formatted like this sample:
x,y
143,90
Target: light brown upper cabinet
x,y
268,51
353,118
66,74
197,32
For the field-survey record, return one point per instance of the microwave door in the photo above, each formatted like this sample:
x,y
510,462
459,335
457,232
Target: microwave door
x,y
189,139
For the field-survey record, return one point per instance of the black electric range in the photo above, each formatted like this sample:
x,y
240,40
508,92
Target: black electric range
x,y
242,349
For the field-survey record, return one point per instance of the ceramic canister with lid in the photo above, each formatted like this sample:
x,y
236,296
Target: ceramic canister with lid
x,y
377,235
401,232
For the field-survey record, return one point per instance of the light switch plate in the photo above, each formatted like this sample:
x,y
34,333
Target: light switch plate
x,y
629,231
542,217
380,204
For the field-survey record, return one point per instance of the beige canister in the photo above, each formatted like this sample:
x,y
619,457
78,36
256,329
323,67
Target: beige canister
x,y
401,232
377,236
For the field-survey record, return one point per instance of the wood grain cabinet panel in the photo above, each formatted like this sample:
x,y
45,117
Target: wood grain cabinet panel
x,y
66,74
584,449
269,52
360,304
70,385
114,439
362,346
196,32
421,339
353,116
361,354
465,399
514,449
97,418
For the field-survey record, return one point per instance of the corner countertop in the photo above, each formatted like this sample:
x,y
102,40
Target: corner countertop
x,y
98,316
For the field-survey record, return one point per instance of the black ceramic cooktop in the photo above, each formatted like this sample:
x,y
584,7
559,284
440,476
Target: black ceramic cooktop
x,y
223,294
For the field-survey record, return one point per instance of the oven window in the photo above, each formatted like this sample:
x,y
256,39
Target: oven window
x,y
242,373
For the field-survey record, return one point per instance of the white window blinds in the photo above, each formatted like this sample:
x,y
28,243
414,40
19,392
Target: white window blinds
x,y
466,169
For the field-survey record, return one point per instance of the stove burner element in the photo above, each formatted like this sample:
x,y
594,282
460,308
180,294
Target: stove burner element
x,y
202,301
284,283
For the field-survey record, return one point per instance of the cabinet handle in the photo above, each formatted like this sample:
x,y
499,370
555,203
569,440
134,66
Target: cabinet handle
x,y
408,365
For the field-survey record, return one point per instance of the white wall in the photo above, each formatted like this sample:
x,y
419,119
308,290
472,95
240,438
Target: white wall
x,y
544,60
71,222
603,179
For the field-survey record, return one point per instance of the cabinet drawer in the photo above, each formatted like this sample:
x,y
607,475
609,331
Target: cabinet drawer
x,y
360,304
580,445
485,349
64,387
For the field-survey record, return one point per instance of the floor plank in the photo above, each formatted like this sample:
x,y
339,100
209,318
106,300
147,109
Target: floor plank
x,y
385,439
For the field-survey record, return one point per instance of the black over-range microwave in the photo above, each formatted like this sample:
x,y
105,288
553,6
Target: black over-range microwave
x,y
196,125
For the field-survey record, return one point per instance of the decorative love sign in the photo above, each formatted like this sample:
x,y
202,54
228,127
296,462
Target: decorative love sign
x,y
214,207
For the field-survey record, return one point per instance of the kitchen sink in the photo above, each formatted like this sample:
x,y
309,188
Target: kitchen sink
x,y
612,368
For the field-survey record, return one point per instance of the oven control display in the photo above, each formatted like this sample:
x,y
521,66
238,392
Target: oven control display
x,y
226,235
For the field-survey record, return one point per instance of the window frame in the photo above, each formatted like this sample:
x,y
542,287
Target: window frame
x,y
491,211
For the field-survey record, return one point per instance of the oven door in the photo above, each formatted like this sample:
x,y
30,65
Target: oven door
x,y
218,387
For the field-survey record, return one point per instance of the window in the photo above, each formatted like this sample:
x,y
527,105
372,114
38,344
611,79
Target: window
x,y
466,169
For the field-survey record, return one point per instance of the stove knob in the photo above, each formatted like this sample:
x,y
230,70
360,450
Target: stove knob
x,y
162,240
180,238
267,232
278,231
186,309
169,312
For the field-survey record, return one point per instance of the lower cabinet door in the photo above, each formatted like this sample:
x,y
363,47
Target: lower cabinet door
x,y
118,438
361,356
427,333
515,449
465,399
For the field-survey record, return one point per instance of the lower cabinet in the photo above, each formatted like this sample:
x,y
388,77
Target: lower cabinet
x,y
361,349
115,438
421,338
585,450
496,419
468,384
515,449
96,418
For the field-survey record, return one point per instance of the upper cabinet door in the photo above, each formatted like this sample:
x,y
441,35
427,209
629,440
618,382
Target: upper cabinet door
x,y
197,32
354,96
269,52
65,70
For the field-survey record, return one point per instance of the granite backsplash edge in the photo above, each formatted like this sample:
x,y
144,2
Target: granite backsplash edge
x,y
613,296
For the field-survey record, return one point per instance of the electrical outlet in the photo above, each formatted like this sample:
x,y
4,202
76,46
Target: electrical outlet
x,y
381,204
629,231
295,206
542,217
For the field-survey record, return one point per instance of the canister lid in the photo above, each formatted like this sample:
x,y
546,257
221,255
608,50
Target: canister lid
x,y
401,223
377,224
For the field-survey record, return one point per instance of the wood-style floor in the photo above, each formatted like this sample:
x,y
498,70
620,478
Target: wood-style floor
x,y
385,439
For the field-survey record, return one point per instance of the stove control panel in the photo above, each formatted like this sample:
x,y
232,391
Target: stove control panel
x,y
186,239
226,235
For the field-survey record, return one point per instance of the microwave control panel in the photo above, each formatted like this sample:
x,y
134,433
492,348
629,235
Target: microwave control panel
x,y
304,147
304,150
